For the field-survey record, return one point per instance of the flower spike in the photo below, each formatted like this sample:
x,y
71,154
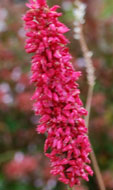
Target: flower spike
x,y
56,97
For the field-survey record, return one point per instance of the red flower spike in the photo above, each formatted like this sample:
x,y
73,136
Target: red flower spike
x,y
56,97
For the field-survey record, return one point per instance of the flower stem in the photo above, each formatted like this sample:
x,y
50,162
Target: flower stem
x,y
91,82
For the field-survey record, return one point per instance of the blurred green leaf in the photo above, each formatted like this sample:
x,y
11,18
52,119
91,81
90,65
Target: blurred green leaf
x,y
6,156
108,8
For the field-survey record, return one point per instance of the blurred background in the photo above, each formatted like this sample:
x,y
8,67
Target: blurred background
x,y
23,165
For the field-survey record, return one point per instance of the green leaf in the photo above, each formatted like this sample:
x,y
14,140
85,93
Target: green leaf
x,y
108,8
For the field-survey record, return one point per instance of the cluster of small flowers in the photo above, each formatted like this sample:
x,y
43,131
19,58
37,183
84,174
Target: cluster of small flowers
x,y
79,13
20,166
57,95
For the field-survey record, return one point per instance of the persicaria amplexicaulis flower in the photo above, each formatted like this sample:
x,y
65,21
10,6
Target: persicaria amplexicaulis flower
x,y
57,95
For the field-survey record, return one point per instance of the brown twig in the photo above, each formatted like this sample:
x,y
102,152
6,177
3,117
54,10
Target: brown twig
x,y
90,73
91,82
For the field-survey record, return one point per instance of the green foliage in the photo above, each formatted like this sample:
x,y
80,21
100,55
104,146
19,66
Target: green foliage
x,y
108,9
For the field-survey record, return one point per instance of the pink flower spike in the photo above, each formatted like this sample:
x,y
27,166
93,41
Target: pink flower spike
x,y
56,98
